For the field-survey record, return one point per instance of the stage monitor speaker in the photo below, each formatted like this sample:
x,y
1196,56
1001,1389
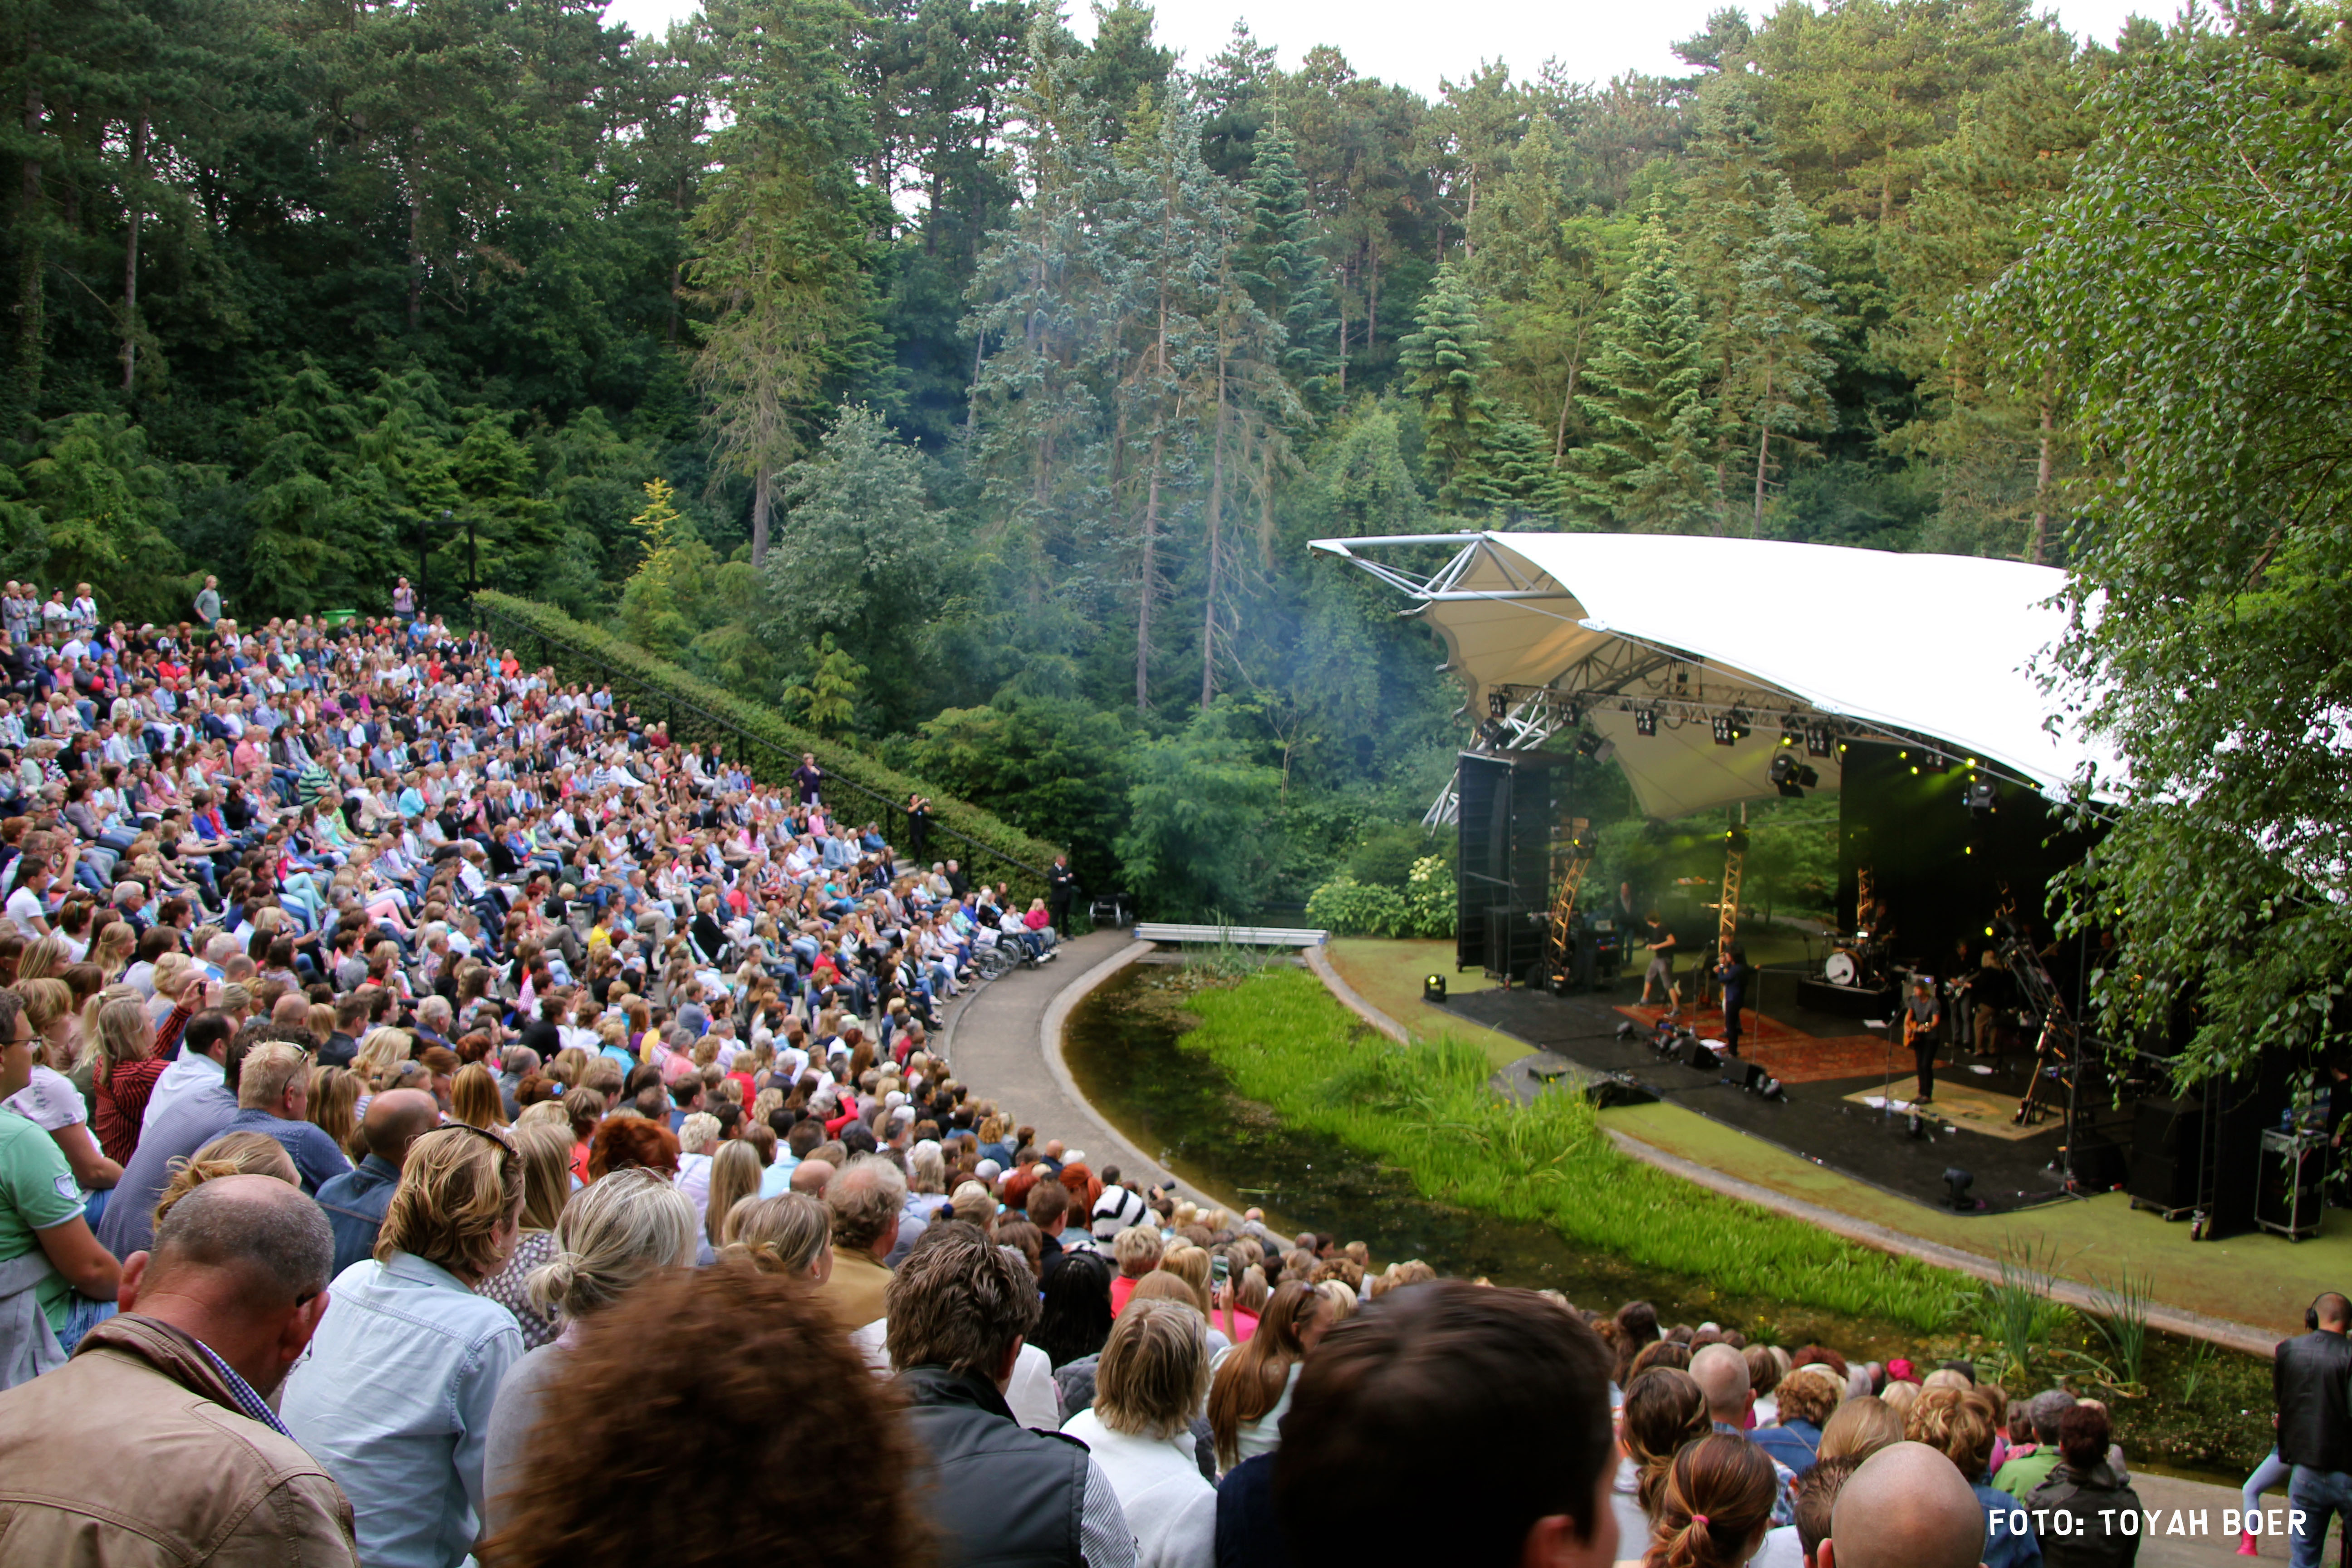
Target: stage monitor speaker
x,y
2097,1162
1698,1053
2167,1135
1744,1075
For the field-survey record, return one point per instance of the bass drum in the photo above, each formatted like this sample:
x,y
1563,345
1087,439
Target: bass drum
x,y
1842,969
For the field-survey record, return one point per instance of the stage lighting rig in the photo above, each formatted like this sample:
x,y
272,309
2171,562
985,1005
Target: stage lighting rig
x,y
1499,702
1645,721
1791,778
1981,798
1733,727
1817,741
1598,747
1934,760
1491,734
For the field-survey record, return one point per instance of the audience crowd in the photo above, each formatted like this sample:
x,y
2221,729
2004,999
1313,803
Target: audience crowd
x,y
447,1119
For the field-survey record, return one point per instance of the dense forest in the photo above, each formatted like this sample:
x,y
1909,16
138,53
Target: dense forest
x,y
971,389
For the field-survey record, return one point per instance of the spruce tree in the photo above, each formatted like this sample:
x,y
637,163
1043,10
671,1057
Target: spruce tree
x,y
1448,358
1281,268
1644,466
1779,382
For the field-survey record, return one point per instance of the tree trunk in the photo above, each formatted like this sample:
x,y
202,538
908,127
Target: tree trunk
x,y
1763,450
1265,500
30,326
764,490
1217,539
2038,548
1148,587
134,191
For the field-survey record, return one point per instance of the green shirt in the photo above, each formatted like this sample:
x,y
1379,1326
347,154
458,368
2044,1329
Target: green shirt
x,y
2027,1471
37,1191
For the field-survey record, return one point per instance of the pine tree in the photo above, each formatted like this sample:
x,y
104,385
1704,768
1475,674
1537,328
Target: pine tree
x,y
1281,268
1448,358
1779,382
1644,466
1512,472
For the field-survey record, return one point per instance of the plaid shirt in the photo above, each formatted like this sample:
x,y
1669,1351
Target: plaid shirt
x,y
239,1390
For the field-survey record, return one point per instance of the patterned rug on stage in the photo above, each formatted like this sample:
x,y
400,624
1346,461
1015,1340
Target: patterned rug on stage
x,y
1788,1054
1973,1110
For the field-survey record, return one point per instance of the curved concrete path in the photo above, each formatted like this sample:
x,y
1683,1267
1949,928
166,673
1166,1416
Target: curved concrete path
x,y
1004,1041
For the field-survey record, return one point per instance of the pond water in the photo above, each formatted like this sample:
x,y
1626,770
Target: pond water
x,y
1122,1047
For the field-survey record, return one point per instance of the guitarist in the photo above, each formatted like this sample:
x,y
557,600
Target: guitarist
x,y
1923,1017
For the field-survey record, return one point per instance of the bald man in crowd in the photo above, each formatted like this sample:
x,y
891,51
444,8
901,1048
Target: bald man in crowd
x,y
156,1443
1906,1507
1722,1375
812,1176
355,1202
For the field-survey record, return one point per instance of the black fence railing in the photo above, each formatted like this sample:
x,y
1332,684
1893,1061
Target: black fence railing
x,y
892,813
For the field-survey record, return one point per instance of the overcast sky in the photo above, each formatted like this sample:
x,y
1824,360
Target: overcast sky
x,y
1419,44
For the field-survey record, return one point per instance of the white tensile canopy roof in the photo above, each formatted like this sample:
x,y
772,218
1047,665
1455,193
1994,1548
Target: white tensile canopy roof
x,y
1865,644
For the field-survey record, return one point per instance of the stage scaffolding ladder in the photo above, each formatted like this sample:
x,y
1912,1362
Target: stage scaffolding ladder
x,y
1574,863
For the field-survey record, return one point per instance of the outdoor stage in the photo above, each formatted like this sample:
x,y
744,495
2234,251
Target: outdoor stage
x,y
1829,1066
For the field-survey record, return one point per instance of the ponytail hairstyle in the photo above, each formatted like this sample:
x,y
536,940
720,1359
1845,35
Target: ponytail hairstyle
x,y
1665,1412
1715,1507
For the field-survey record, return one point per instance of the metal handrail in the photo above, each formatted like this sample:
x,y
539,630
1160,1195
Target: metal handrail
x,y
751,740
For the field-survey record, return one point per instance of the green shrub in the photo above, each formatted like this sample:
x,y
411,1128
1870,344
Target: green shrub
x,y
1384,857
1429,1110
1347,906
1429,897
696,710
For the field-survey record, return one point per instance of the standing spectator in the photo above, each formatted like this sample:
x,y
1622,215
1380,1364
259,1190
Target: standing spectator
x,y
1431,1393
394,1398
53,1273
808,778
356,1200
609,1241
157,1444
2311,1379
1148,1384
208,603
958,1309
918,828
2085,1487
790,1401
1061,887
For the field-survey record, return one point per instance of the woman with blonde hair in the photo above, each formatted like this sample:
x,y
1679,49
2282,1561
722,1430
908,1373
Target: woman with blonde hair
x,y
790,1234
546,1152
334,1092
123,1071
613,1237
1859,1429
230,1155
381,1401
473,1097
114,948
734,1175
380,1056
41,959
1148,1384
51,1103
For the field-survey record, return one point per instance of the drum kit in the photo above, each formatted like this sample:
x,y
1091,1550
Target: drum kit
x,y
1860,961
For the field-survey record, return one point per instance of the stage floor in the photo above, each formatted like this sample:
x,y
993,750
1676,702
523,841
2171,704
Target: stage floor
x,y
1828,1068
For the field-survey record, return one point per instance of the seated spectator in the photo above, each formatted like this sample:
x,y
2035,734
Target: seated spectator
x,y
1817,1495
1664,1413
1906,1506
1959,1425
544,1151
1721,1373
355,1201
866,1201
1432,1395
1715,1507
790,1234
1859,1429
2085,1486
2030,1464
1804,1400
273,1089
1253,1388
394,1398
157,1444
609,1241
1137,1251
958,1309
1150,1381
56,1280
788,1405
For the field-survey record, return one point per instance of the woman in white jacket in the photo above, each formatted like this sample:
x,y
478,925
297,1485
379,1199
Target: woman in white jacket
x,y
1150,1381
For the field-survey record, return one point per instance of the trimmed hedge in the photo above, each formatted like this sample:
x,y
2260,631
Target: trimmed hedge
x,y
763,739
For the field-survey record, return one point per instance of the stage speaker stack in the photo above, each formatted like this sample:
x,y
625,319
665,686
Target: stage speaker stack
x,y
1507,808
2167,1135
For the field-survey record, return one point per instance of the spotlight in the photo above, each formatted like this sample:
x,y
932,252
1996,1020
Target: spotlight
x,y
1817,740
1934,760
1499,702
1792,726
1956,1182
1491,732
1645,721
1735,838
1434,988
1791,778
1596,746
1725,734
1741,725
1981,795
